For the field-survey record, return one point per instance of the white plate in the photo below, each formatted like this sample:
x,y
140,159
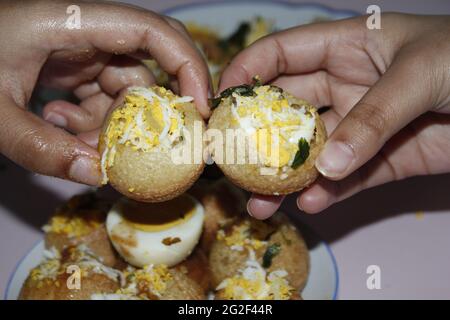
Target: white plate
x,y
225,16
322,282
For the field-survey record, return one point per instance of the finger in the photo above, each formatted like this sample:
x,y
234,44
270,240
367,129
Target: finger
x,y
426,141
313,87
87,89
90,137
88,116
122,72
123,30
263,207
68,70
298,50
180,27
386,108
40,147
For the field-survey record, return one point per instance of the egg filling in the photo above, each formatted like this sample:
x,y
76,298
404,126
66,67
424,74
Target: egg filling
x,y
274,124
54,265
79,217
149,118
240,238
253,282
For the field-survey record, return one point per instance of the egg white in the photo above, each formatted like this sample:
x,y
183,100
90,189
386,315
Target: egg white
x,y
148,247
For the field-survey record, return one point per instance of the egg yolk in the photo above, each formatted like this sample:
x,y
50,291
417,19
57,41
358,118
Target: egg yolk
x,y
154,217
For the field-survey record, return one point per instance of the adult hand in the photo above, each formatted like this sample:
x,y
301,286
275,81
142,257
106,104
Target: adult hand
x,y
96,62
389,92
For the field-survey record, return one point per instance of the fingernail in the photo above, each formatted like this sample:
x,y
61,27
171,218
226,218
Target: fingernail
x,y
335,159
85,170
56,119
248,208
299,205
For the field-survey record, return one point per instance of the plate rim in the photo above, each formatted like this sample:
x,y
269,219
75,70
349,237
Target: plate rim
x,y
17,265
298,5
40,241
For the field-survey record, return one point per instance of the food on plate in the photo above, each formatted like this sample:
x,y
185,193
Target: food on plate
x,y
223,203
75,275
155,283
244,259
280,137
81,220
254,259
196,267
155,233
143,139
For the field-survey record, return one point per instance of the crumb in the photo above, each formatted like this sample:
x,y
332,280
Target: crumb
x,y
170,241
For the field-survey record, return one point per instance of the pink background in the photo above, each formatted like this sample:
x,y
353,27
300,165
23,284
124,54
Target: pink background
x,y
402,227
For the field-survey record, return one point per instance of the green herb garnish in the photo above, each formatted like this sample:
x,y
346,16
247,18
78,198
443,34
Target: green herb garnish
x,y
245,90
271,252
302,153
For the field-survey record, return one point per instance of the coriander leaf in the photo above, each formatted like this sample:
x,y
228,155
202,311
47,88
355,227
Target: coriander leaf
x,y
214,102
257,81
302,153
271,252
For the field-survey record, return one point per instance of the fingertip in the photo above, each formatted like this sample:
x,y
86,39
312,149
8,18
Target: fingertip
x,y
56,118
233,75
85,169
263,207
53,112
336,160
90,138
203,107
315,199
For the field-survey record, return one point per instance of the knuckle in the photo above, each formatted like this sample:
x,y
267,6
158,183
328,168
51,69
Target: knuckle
x,y
372,120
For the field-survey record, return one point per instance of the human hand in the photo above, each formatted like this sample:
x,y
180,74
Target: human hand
x,y
96,62
389,92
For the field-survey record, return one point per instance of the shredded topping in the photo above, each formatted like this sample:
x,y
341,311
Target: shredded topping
x,y
240,237
71,225
147,283
78,217
254,283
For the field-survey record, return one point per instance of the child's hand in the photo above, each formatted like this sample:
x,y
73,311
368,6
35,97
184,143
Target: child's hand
x,y
36,45
380,84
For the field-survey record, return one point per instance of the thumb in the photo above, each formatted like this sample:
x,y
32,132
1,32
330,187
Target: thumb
x,y
402,94
42,148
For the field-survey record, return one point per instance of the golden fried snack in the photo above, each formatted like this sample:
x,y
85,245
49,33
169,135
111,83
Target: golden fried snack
x,y
282,137
259,260
81,221
223,203
144,142
54,278
196,267
156,283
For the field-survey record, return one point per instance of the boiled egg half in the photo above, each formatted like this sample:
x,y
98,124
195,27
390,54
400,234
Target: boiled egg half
x,y
155,233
